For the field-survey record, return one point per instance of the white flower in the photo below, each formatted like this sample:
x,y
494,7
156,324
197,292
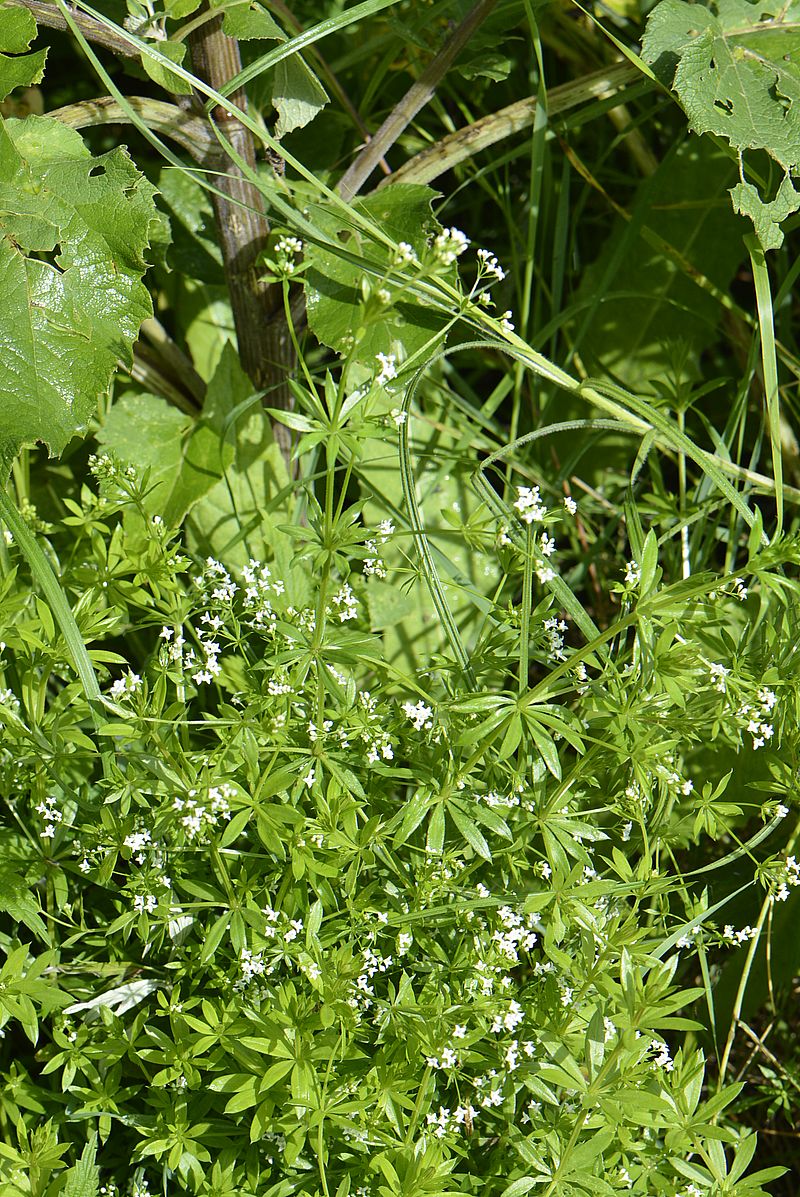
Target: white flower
x,y
529,504
449,245
570,505
388,368
633,573
487,264
126,685
347,603
405,255
420,715
404,942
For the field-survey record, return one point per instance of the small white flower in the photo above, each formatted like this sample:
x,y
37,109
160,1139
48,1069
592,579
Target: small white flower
x,y
388,368
529,504
449,245
570,505
126,685
488,264
420,715
405,255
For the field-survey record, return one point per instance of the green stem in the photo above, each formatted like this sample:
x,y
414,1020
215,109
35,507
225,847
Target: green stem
x,y
525,618
54,595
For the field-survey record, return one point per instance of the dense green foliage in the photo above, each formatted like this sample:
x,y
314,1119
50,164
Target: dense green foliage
x,y
399,762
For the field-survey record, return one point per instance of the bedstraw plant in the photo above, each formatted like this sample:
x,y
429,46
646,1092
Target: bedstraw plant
x,y
399,681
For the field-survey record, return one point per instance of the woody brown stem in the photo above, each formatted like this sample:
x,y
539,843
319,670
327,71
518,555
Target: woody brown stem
x,y
265,347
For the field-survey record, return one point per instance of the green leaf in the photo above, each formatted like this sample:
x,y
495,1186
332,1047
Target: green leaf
x,y
65,323
194,250
735,68
17,31
249,21
83,1180
767,217
17,900
333,280
649,563
470,832
641,302
519,1188
387,604
163,76
297,95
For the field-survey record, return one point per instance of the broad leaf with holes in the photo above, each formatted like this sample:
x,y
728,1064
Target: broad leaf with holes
x,y
17,31
73,233
735,68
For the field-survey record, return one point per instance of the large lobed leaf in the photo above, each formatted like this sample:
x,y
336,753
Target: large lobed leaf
x,y
17,31
73,233
735,68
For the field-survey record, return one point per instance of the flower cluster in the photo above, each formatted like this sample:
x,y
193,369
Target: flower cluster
x,y
529,504
405,255
125,686
488,264
739,936
199,814
514,934
374,565
754,717
554,631
788,877
451,1120
448,245
388,369
345,603
51,816
420,715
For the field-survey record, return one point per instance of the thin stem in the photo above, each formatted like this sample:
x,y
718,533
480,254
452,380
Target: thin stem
x,y
418,95
525,616
457,147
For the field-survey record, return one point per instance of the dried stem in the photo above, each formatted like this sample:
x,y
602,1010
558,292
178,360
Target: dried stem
x,y
417,96
92,29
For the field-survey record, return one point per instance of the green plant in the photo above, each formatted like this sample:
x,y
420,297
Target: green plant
x,y
400,708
